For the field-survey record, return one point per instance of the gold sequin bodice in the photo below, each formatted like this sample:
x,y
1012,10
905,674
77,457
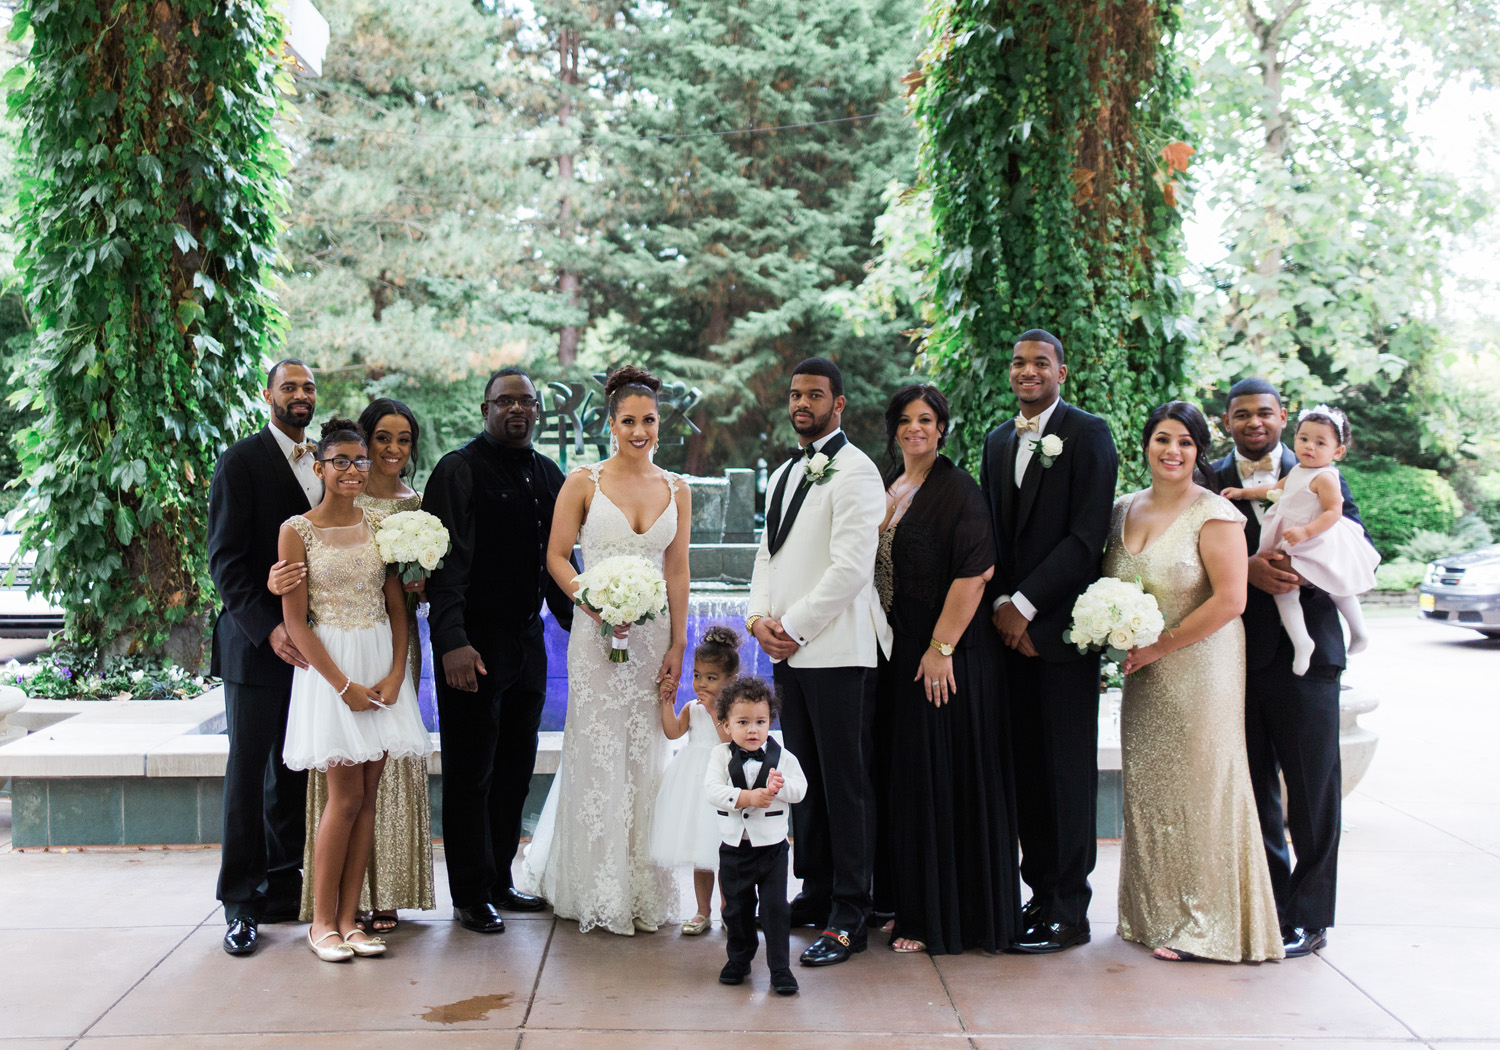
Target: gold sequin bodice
x,y
345,576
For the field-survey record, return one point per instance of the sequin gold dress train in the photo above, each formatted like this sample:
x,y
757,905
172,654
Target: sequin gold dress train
x,y
1193,873
400,873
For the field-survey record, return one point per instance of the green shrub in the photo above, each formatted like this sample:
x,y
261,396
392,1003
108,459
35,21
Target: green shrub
x,y
1426,545
1396,500
1399,575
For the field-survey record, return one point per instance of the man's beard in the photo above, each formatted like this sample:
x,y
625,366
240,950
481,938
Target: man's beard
x,y
817,426
298,417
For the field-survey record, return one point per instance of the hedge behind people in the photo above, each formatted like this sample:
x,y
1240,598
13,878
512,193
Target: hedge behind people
x,y
1396,500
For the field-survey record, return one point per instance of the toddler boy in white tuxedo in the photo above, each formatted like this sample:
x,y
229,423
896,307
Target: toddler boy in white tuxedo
x,y
751,781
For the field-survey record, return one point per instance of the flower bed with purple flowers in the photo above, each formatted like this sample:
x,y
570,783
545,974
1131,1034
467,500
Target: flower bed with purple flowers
x,y
62,676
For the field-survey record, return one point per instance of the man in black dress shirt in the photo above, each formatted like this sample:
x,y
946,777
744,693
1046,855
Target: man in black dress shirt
x,y
496,496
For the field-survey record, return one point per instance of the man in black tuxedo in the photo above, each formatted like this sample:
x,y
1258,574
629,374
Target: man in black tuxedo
x,y
259,483
1049,476
1291,721
496,495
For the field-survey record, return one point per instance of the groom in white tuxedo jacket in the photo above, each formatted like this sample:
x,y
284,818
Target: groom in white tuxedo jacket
x,y
814,610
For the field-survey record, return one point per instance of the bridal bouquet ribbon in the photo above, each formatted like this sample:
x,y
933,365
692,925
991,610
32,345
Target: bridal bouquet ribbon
x,y
415,542
1115,616
623,589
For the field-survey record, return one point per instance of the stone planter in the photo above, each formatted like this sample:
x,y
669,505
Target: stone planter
x,y
1356,743
11,701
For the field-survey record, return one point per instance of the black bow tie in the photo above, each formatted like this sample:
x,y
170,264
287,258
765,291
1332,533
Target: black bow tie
x,y
759,754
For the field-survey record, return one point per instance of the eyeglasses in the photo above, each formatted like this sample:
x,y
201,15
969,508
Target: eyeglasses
x,y
362,464
514,402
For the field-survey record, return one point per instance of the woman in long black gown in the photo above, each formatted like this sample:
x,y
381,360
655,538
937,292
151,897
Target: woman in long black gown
x,y
951,849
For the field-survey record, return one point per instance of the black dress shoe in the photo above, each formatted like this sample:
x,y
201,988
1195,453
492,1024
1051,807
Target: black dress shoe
x,y
1051,937
1031,915
733,973
835,946
783,983
512,899
481,918
1299,942
242,938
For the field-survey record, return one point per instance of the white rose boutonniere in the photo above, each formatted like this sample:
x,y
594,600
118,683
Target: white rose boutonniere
x,y
819,469
1273,496
1048,449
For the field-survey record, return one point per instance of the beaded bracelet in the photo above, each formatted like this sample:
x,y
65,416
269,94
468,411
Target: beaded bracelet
x,y
347,683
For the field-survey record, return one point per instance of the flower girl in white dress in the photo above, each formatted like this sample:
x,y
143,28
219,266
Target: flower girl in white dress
x,y
1307,522
348,619
685,828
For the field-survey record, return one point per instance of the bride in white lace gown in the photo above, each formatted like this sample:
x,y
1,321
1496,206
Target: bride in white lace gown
x,y
590,853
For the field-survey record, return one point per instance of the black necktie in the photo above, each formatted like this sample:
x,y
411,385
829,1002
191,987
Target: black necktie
x,y
759,754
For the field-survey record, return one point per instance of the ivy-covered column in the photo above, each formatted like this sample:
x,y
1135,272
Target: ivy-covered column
x,y
1051,146
148,223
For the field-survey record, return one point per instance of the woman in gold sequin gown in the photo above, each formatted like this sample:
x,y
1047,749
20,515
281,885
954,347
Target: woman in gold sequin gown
x,y
1193,876
400,871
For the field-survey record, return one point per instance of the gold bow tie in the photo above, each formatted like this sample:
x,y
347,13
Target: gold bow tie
x,y
298,451
1023,425
1253,466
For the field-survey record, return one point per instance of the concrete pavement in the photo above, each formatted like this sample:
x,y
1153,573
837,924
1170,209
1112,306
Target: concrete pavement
x,y
119,950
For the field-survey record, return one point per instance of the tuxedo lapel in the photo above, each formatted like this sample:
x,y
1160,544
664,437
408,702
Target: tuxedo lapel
x,y
770,762
830,450
1032,481
289,487
1006,483
773,509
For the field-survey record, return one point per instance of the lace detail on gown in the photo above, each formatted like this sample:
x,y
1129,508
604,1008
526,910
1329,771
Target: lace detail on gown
x,y
590,853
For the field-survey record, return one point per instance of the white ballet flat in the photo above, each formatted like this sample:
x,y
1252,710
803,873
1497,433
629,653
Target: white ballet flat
x,y
367,946
339,952
643,925
696,925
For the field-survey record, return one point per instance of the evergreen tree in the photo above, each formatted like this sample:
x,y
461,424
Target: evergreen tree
x,y
422,219
719,252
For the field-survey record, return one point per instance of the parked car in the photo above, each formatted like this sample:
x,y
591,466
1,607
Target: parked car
x,y
23,615
1463,590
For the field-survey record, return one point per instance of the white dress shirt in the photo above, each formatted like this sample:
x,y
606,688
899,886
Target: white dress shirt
x,y
307,477
1029,442
1261,477
1024,452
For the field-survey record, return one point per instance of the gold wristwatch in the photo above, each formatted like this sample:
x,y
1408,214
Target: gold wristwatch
x,y
942,647
750,621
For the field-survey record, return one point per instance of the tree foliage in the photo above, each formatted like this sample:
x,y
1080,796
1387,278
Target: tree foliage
x,y
147,229
1334,224
1051,146
423,221
718,252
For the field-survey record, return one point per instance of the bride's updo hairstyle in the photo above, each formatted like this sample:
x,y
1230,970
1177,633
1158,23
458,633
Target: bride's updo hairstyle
x,y
1193,419
719,649
336,431
629,381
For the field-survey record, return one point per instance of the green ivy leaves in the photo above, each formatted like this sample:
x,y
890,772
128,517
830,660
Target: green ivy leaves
x,y
1042,219
148,225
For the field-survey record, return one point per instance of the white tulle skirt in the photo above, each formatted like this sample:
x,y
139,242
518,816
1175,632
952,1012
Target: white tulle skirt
x,y
322,731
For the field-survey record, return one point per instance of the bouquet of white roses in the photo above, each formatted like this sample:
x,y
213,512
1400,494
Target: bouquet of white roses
x,y
1116,616
415,542
623,589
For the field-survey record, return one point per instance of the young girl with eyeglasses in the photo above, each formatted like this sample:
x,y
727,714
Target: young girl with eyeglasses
x,y
348,619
